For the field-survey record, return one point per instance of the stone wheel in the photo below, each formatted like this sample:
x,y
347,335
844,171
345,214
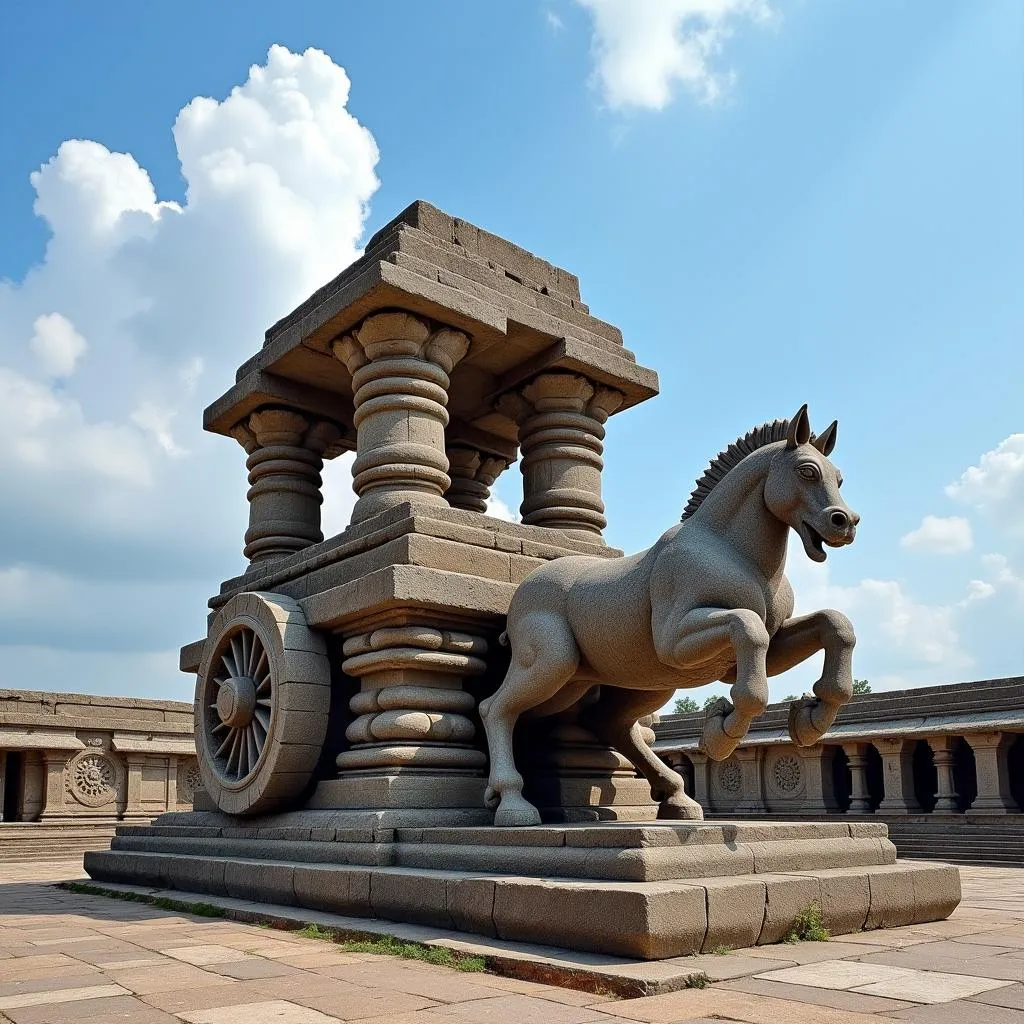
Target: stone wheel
x,y
263,695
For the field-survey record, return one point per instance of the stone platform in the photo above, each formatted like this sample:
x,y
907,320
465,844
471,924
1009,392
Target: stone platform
x,y
647,891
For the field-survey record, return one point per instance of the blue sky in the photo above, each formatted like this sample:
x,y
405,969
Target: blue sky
x,y
824,205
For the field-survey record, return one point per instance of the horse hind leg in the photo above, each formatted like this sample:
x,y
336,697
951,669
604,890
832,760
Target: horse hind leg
x,y
613,719
544,659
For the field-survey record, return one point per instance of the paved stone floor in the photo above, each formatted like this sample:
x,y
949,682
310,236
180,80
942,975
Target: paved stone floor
x,y
66,958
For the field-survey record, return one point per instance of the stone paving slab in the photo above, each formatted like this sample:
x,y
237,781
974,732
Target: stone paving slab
x,y
71,958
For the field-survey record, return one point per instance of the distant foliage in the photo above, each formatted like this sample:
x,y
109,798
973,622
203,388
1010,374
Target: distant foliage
x,y
859,686
687,705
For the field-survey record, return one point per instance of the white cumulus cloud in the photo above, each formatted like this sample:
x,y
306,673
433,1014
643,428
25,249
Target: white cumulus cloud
x,y
644,48
110,486
942,535
1003,574
900,639
996,484
56,344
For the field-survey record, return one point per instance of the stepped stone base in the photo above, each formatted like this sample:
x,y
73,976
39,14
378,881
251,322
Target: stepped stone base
x,y
647,891
53,840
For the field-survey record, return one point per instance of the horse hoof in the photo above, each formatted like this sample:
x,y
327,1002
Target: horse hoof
x,y
801,721
714,740
680,808
516,813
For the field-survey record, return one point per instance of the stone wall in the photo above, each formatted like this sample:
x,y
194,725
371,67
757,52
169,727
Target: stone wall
x,y
75,757
938,749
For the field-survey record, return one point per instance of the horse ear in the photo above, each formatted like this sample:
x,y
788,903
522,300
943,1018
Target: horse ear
x,y
827,441
799,428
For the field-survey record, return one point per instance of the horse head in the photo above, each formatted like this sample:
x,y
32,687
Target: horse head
x,y
802,489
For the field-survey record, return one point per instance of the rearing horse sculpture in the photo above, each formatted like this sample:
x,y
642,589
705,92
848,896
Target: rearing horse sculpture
x,y
709,601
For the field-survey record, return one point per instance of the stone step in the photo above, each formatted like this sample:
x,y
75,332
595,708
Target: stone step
x,y
645,920
614,852
965,854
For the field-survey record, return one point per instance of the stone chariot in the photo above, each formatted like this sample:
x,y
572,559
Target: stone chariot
x,y
343,681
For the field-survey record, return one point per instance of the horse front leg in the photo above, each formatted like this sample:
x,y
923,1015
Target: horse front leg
x,y
702,637
796,641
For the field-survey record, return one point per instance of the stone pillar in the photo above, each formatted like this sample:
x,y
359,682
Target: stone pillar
x,y
817,774
171,800
942,754
412,717
561,420
701,790
286,453
400,369
992,770
33,786
857,759
133,787
472,474
54,763
897,777
752,794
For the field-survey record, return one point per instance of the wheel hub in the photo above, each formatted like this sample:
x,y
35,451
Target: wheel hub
x,y
236,701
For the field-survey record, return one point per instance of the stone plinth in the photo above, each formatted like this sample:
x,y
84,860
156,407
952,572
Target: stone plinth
x,y
649,892
416,597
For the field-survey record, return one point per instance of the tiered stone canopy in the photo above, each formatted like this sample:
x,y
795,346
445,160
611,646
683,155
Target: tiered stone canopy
x,y
434,357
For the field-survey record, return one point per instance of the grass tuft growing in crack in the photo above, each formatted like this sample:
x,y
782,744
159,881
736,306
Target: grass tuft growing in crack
x,y
162,902
807,927
388,945
699,979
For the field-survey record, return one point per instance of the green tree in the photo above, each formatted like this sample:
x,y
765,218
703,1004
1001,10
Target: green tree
x,y
859,686
687,705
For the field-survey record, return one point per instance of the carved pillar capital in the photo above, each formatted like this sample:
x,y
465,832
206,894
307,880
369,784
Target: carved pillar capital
x,y
561,418
400,367
472,473
286,451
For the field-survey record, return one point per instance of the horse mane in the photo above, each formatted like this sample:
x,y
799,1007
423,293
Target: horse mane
x,y
751,441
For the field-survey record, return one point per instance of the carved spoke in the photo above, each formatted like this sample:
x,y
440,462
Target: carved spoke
x,y
240,706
